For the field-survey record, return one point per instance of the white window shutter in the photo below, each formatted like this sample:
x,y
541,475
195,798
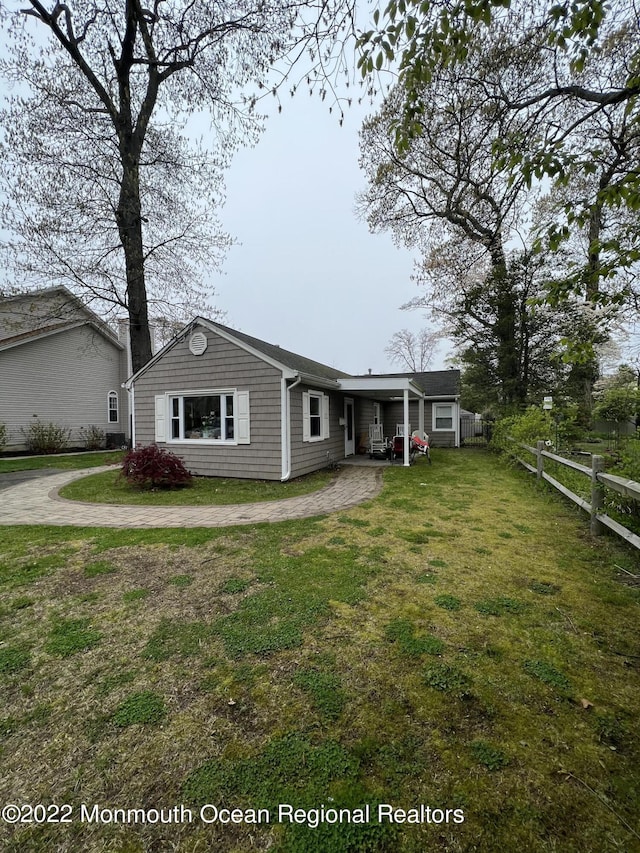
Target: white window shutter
x,y
161,416
325,416
243,418
306,421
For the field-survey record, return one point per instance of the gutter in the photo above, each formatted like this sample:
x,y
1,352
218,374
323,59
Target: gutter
x,y
285,425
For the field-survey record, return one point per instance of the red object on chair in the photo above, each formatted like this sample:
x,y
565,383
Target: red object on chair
x,y
397,448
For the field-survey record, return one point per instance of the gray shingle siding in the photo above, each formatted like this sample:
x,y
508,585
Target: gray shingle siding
x,y
307,456
394,415
223,365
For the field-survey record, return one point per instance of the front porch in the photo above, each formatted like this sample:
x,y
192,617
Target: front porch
x,y
391,392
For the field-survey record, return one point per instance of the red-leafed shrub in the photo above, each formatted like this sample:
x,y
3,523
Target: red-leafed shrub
x,y
152,467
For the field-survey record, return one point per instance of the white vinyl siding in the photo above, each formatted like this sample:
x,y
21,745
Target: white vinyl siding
x,y
315,416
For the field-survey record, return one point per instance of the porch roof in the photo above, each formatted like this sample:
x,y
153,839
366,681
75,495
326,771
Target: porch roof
x,y
381,387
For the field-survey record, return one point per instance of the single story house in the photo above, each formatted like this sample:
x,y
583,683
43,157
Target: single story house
x,y
231,405
60,363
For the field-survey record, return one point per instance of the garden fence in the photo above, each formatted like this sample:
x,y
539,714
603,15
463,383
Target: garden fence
x,y
599,482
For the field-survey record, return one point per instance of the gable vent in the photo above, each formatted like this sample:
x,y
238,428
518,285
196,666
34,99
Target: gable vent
x,y
198,343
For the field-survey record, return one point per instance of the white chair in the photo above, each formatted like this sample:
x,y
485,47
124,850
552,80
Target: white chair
x,y
377,442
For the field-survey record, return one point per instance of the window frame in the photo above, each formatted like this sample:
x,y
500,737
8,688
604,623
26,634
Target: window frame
x,y
321,416
113,395
434,416
175,415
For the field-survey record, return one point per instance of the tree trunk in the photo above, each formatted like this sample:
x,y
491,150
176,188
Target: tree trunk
x,y
505,328
129,219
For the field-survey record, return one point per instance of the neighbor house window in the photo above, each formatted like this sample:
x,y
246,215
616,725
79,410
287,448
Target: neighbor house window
x,y
112,407
443,416
315,416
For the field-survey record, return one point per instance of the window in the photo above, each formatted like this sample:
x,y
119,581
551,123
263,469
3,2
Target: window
x,y
442,416
315,416
207,416
112,407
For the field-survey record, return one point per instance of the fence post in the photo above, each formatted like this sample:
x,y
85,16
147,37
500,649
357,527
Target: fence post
x,y
597,494
539,459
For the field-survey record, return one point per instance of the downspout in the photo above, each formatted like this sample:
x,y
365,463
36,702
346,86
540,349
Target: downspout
x,y
285,425
132,407
407,438
131,402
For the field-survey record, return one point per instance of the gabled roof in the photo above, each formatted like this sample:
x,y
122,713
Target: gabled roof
x,y
438,383
272,353
289,359
36,314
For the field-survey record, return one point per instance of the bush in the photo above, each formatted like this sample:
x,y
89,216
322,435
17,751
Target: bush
x,y
93,437
4,436
152,467
533,425
46,438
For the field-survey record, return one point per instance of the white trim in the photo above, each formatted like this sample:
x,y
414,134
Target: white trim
x,y
349,446
161,404
115,394
454,407
371,384
200,442
322,415
132,414
242,418
407,429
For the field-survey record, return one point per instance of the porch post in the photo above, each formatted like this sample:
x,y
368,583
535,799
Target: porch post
x,y
421,415
407,437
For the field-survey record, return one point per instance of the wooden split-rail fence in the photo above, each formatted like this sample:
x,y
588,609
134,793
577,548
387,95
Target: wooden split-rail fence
x,y
599,482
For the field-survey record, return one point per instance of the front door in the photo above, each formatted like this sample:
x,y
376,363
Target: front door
x,y
349,428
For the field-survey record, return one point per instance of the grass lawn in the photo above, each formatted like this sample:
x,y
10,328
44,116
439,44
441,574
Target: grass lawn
x,y
110,488
64,461
460,643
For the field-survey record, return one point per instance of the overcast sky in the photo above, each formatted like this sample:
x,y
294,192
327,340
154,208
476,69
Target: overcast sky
x,y
307,274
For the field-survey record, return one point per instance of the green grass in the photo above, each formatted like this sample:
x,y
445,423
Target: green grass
x,y
70,636
65,462
140,709
326,662
110,488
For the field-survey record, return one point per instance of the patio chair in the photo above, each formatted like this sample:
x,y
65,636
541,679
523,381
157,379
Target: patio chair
x,y
400,429
397,449
377,443
420,443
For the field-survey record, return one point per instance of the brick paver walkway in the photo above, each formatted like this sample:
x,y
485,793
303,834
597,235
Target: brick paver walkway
x,y
38,502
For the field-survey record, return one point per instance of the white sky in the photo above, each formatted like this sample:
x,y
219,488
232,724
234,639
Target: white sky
x,y
307,274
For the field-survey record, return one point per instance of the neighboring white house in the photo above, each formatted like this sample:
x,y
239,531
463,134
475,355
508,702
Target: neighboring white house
x,y
60,363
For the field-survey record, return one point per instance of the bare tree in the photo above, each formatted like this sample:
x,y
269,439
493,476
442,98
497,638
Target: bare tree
x,y
104,190
413,351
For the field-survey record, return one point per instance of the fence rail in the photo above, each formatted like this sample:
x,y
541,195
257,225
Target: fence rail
x,y
599,481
